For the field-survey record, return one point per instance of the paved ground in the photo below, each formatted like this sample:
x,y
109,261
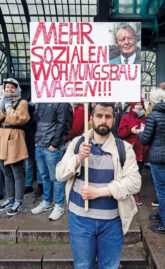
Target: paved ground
x,y
147,194
33,229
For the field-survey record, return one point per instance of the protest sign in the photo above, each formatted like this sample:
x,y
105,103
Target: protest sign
x,y
80,62
70,62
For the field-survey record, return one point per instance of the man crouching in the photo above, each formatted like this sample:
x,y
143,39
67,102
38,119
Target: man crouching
x,y
99,231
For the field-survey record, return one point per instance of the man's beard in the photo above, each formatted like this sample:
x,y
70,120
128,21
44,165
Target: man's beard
x,y
103,131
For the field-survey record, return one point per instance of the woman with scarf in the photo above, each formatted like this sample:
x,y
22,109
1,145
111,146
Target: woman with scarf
x,y
13,115
135,118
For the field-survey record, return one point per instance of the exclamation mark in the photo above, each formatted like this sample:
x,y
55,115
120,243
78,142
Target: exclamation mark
x,y
105,88
99,88
109,88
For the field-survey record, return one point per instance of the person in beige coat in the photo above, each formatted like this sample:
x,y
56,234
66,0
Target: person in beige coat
x,y
99,231
13,115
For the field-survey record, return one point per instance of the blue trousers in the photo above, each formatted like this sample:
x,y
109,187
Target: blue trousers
x,y
158,174
46,161
29,172
94,238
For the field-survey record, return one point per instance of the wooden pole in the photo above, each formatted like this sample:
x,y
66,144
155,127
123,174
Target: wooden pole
x,y
86,141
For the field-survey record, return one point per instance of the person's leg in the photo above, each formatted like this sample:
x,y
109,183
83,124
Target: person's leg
x,y
9,181
19,178
39,191
39,179
42,165
109,243
52,158
136,196
1,184
83,241
158,174
29,171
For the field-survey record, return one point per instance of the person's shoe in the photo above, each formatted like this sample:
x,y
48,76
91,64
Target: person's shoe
x,y
137,199
43,206
155,203
160,228
28,189
1,196
17,207
6,205
38,192
57,212
155,217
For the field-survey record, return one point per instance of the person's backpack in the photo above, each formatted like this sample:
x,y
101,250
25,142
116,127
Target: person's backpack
x,y
27,126
119,144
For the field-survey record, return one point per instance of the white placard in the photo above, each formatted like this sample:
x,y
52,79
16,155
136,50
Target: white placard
x,y
70,62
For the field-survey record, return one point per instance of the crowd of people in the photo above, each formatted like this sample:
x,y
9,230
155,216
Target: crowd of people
x,y
33,138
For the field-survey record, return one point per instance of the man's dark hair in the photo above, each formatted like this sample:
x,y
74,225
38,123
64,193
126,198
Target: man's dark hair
x,y
124,27
104,105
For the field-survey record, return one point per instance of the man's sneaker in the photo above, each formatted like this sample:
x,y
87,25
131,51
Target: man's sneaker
x,y
43,206
160,228
155,203
155,217
17,207
6,205
57,212
137,199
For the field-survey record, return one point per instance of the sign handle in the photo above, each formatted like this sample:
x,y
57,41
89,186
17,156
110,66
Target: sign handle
x,y
86,141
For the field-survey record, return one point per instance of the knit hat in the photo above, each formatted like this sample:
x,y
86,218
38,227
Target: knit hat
x,y
157,96
135,103
162,85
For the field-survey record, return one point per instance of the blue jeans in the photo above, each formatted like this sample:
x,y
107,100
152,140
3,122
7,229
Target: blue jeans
x,y
29,172
46,162
158,174
91,238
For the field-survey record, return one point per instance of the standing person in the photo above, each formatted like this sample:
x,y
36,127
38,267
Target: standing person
x,y
30,168
136,117
13,115
78,122
126,40
98,232
154,135
1,184
49,137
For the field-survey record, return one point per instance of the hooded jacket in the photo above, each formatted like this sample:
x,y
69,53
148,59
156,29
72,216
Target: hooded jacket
x,y
12,136
128,121
154,134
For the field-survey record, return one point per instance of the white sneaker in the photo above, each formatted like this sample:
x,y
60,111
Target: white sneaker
x,y
43,206
57,212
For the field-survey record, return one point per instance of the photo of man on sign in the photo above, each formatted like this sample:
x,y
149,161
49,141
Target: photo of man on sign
x,y
70,61
126,50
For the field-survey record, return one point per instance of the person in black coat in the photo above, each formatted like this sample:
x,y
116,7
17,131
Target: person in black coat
x,y
154,135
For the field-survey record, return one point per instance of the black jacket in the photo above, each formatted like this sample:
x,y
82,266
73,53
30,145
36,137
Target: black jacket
x,y
51,124
154,134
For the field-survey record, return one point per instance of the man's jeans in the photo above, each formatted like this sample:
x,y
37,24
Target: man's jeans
x,y
158,174
29,172
46,162
14,180
91,238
